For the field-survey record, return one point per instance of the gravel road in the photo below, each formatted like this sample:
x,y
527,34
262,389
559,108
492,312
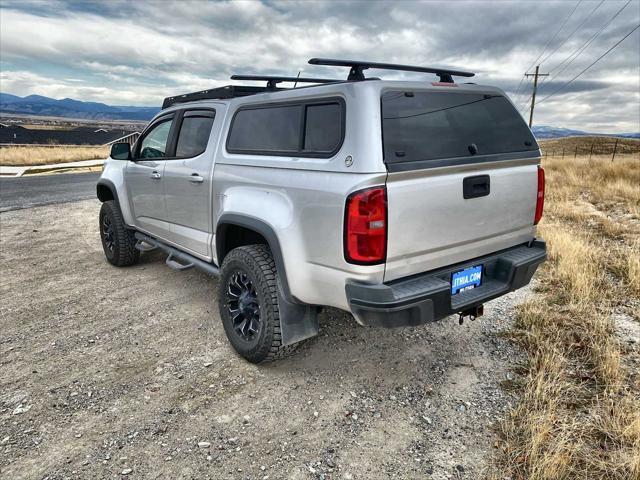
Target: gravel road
x,y
126,373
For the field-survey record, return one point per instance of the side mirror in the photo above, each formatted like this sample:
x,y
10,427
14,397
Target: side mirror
x,y
121,151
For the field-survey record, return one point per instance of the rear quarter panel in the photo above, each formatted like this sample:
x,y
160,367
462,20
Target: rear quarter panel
x,y
305,209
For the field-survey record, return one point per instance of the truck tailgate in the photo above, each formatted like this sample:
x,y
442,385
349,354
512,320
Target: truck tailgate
x,y
431,224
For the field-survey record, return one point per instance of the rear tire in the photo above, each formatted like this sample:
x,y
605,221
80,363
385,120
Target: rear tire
x,y
118,242
248,302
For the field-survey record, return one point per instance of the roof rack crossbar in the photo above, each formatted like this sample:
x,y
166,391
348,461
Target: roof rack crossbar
x,y
356,72
273,80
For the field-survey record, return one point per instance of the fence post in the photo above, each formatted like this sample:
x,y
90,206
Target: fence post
x,y
615,147
562,153
591,152
575,154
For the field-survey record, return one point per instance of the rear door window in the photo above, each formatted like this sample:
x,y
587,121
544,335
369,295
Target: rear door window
x,y
194,133
430,126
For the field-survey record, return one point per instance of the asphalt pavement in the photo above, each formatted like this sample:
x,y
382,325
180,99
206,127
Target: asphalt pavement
x,y
31,191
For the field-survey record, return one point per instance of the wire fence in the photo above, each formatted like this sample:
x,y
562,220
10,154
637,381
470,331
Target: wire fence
x,y
595,148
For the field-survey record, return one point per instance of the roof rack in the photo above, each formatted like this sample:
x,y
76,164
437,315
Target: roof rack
x,y
272,80
357,68
229,91
355,74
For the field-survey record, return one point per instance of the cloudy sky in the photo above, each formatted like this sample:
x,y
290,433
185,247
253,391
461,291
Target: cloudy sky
x,y
137,53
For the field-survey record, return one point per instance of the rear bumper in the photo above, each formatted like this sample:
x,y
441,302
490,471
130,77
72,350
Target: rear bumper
x,y
427,297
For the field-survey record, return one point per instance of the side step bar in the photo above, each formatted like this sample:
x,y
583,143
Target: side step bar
x,y
144,246
177,260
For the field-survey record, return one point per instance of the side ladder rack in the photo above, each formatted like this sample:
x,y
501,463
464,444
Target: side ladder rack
x,y
356,72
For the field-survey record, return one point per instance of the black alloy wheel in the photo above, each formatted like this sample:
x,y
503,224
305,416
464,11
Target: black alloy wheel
x,y
248,304
108,233
118,241
243,306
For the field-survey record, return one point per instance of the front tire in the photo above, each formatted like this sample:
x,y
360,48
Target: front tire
x,y
248,302
118,242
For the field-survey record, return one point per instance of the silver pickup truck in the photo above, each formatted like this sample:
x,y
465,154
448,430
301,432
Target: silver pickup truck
x,y
401,202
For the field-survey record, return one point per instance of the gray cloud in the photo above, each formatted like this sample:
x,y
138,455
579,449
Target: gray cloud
x,y
140,52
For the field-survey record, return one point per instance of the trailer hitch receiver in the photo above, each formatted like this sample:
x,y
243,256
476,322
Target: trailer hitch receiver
x,y
472,313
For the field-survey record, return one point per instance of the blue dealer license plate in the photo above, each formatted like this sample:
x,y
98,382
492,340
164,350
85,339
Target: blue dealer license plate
x,y
466,279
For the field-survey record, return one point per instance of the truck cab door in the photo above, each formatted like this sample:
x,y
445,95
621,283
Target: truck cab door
x,y
144,177
187,180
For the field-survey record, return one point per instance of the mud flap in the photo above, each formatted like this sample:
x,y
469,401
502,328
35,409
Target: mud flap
x,y
297,321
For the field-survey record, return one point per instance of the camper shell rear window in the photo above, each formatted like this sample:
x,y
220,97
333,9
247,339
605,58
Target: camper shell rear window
x,y
427,129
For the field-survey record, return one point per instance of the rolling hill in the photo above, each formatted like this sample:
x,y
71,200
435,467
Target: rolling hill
x,y
70,108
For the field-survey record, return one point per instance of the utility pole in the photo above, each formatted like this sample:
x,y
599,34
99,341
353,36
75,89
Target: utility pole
x,y
535,87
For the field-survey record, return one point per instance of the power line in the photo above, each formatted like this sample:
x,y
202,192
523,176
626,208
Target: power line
x,y
572,33
519,87
524,104
519,84
522,91
584,46
554,36
591,65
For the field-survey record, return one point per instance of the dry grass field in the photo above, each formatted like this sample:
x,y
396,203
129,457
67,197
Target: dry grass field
x,y
38,155
579,415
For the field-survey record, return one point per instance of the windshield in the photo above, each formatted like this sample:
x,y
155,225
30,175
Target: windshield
x,y
423,126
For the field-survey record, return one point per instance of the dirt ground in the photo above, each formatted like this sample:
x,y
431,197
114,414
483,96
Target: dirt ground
x,y
118,373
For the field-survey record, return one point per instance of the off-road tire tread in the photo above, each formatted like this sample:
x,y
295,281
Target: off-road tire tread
x,y
259,259
126,252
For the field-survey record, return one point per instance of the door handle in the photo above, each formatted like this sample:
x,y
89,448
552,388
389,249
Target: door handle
x,y
474,187
195,178
155,176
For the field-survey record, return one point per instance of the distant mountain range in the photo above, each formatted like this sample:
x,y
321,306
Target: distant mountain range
x,y
543,131
69,108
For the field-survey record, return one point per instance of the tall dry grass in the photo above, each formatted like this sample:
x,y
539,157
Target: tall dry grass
x,y
579,412
34,155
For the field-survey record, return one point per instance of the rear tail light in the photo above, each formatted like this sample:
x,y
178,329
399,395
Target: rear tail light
x,y
540,197
365,227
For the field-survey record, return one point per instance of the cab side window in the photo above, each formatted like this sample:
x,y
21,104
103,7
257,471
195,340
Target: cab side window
x,y
194,133
155,142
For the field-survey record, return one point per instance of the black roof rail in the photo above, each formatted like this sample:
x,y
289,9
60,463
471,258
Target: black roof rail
x,y
229,91
357,68
273,80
